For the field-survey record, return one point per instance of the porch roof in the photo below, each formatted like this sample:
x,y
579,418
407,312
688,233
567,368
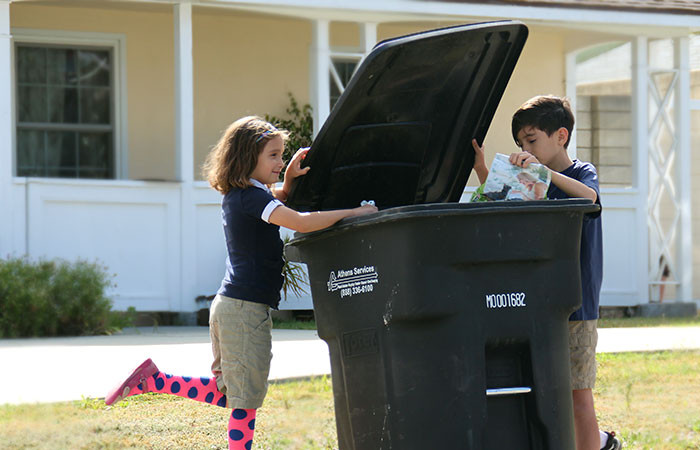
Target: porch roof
x,y
658,6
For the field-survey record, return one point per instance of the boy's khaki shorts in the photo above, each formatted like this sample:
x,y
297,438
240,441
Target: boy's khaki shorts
x,y
241,339
583,338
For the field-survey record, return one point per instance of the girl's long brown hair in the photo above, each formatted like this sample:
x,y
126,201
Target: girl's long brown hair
x,y
230,163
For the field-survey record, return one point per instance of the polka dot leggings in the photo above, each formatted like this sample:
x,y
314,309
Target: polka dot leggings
x,y
241,424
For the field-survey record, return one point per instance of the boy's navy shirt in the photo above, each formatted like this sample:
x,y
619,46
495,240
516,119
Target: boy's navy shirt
x,y
254,262
591,241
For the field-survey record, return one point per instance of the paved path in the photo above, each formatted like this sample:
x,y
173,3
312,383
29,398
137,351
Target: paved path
x,y
60,369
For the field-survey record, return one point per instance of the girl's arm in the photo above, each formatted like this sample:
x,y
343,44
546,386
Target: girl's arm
x,y
482,172
313,221
293,170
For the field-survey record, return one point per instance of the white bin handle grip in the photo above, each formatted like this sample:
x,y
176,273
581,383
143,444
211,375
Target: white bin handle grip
x,y
508,391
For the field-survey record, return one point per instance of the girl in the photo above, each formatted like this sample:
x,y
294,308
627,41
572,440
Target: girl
x,y
242,165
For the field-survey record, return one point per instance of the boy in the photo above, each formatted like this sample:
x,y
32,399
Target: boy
x,y
542,128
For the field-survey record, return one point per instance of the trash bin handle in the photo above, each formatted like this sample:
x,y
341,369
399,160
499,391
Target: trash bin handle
x,y
508,391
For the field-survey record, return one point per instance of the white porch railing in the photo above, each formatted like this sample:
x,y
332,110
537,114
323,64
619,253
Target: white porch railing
x,y
137,230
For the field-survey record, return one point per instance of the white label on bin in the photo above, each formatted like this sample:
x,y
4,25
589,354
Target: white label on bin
x,y
511,300
358,280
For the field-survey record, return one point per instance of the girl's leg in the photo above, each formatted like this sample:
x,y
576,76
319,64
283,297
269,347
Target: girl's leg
x,y
241,426
147,378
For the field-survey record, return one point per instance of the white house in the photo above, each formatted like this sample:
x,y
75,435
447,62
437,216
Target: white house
x,y
108,108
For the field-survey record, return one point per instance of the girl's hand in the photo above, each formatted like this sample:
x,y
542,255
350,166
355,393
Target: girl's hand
x,y
365,209
294,170
523,159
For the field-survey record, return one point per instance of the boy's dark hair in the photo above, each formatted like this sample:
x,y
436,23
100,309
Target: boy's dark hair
x,y
544,112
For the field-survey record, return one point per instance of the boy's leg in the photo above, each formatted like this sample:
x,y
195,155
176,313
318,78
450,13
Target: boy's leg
x,y
583,338
585,422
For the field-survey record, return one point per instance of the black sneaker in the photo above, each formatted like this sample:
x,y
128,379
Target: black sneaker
x,y
613,442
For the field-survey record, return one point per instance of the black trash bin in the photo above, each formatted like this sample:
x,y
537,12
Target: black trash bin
x,y
446,322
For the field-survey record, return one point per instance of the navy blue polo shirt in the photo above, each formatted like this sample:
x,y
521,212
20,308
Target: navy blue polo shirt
x,y
591,241
254,262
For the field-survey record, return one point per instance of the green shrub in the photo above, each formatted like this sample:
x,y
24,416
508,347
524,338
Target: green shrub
x,y
55,298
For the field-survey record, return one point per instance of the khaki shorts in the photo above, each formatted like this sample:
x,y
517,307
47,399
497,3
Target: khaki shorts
x,y
241,339
583,338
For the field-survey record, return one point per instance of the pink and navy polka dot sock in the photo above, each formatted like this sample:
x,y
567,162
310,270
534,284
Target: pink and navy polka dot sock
x,y
241,424
241,427
201,389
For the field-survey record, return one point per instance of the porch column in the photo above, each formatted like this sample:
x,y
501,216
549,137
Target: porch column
x,y
640,145
570,86
320,88
6,142
368,36
184,95
184,143
682,112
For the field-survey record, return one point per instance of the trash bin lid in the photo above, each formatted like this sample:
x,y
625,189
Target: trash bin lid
x,y
401,132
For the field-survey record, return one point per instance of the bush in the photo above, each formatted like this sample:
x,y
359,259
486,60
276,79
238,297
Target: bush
x,y
54,298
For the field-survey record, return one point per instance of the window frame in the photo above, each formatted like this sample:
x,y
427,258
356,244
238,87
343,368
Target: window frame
x,y
116,43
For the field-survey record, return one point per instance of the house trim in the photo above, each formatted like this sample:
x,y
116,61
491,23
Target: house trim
x,y
632,22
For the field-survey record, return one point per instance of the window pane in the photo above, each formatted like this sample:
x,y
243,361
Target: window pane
x,y
62,66
95,155
31,65
63,105
604,114
30,153
344,70
95,105
61,153
94,67
32,104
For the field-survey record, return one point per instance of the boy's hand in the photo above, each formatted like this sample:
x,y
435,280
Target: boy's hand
x,y
479,159
480,162
523,159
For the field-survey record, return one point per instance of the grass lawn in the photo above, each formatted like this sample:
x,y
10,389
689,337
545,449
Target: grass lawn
x,y
629,322
651,399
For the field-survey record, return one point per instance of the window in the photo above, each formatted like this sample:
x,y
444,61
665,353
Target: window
x,y
341,72
604,112
65,111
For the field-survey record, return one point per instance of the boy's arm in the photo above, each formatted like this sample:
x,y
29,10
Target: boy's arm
x,y
482,172
572,188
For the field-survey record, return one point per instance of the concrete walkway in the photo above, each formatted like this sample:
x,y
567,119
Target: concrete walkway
x,y
61,369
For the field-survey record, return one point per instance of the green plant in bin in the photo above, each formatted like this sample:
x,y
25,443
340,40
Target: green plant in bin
x,y
295,279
